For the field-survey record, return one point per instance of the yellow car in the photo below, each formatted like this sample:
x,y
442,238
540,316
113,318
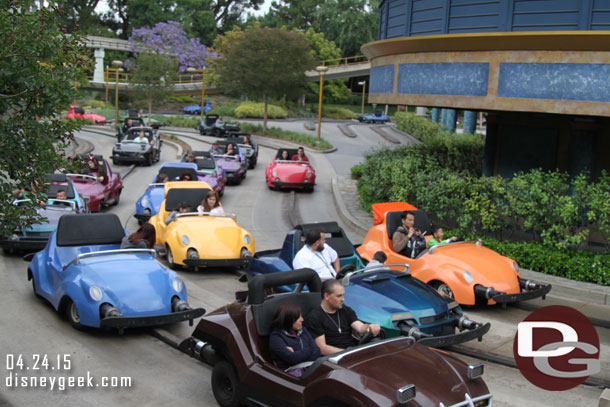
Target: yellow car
x,y
199,239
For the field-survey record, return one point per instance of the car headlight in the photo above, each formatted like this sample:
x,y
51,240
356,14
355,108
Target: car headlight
x,y
95,292
309,174
144,202
247,239
185,240
516,267
274,173
192,254
177,284
468,277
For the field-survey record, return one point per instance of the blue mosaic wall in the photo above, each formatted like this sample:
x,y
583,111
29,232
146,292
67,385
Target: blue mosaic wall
x,y
382,79
582,82
462,79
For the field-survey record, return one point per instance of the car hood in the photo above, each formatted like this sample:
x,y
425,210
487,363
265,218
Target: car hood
x,y
289,171
52,215
118,274
94,117
214,237
486,266
89,188
134,147
391,365
228,164
377,296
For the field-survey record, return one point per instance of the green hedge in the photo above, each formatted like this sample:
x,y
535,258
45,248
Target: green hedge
x,y
418,126
226,110
300,138
257,110
574,264
333,112
180,121
182,99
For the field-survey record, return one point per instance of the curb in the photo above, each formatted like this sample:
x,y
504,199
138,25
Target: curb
x,y
344,128
385,136
291,209
128,171
344,214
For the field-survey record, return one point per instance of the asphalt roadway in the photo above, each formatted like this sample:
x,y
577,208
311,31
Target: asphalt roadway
x,y
159,374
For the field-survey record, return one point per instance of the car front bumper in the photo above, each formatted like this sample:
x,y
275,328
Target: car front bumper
x,y
218,262
454,339
539,290
133,157
25,243
281,184
134,322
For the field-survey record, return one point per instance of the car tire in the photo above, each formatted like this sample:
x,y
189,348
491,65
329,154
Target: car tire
x,y
226,385
34,284
222,192
443,289
117,198
150,160
72,314
170,258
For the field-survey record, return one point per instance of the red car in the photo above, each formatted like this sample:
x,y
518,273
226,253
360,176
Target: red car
x,y
283,172
95,193
78,112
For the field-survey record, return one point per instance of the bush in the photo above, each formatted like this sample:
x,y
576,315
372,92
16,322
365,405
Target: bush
x,y
226,110
356,171
338,113
417,126
569,263
181,99
257,110
98,104
180,121
300,138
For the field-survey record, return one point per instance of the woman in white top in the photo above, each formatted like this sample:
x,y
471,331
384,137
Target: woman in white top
x,y
211,204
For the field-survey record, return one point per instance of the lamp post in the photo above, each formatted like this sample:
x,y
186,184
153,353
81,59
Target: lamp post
x,y
116,65
202,86
363,83
321,70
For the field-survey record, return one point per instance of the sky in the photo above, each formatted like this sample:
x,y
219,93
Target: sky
x,y
102,7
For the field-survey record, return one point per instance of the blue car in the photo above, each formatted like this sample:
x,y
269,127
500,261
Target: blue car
x,y
377,117
150,202
85,275
36,236
400,303
196,109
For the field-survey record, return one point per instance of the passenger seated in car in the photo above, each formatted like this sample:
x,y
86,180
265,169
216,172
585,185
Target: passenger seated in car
x,y
62,196
437,237
290,343
183,207
94,168
143,238
246,141
162,178
215,149
284,156
231,150
190,157
378,259
141,138
300,155
185,176
211,204
128,124
407,240
317,255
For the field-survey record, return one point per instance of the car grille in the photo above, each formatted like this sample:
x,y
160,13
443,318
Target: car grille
x,y
433,318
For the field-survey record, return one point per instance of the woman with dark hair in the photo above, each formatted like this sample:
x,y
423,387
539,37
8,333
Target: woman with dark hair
x,y
161,178
94,168
290,343
143,238
284,156
185,176
231,150
211,204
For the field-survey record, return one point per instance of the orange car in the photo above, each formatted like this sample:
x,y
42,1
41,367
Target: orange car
x,y
466,271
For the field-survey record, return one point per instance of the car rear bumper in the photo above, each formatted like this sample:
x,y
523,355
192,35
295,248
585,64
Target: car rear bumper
x,y
460,337
139,158
217,262
33,244
133,322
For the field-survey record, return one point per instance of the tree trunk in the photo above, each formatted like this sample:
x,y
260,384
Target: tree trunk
x,y
150,110
265,116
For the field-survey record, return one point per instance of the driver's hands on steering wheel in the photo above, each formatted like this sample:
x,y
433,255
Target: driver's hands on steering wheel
x,y
374,329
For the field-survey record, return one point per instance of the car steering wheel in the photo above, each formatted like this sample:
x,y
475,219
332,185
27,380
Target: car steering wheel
x,y
366,338
344,270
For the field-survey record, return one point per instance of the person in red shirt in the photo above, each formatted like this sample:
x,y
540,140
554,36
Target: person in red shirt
x,y
300,155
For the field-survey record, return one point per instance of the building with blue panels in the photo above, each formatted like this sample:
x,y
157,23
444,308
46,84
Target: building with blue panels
x,y
539,68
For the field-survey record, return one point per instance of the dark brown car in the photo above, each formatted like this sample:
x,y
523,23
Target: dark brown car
x,y
390,372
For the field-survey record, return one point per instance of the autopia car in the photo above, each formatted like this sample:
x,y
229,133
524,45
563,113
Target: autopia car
x,y
95,193
235,167
213,125
290,173
200,240
398,302
249,150
208,170
87,277
391,372
129,150
77,112
377,117
465,271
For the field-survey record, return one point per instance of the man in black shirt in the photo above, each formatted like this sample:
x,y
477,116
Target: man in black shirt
x,y
331,325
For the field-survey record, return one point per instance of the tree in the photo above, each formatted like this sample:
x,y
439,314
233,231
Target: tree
x,y
154,76
266,63
35,82
170,39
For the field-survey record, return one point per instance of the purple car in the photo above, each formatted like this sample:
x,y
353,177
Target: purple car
x,y
207,170
234,166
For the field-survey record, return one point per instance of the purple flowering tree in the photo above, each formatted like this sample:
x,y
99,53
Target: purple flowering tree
x,y
170,39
